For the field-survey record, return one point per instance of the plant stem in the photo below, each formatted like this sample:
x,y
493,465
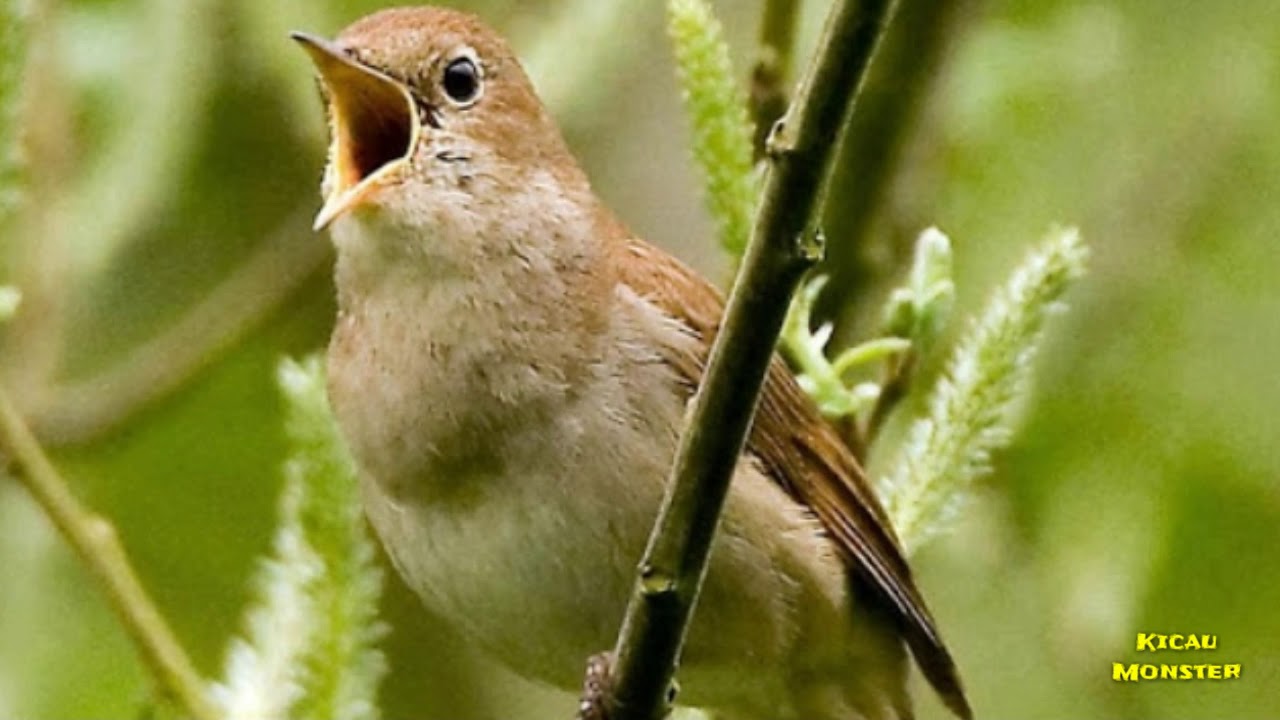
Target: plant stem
x,y
782,248
897,383
99,548
773,67
912,64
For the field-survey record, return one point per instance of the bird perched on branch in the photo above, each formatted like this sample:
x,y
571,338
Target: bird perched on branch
x,y
510,368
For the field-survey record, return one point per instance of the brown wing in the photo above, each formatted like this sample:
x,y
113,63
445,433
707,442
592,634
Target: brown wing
x,y
805,455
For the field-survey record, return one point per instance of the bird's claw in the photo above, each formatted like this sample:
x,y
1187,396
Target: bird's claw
x,y
597,688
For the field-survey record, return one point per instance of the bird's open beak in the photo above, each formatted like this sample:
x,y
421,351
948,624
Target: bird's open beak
x,y
374,124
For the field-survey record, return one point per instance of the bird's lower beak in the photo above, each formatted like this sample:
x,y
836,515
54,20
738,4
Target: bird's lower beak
x,y
373,121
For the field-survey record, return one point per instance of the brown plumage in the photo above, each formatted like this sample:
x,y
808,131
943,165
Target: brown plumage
x,y
806,456
510,368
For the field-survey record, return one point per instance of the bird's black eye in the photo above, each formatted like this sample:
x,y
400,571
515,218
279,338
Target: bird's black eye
x,y
462,81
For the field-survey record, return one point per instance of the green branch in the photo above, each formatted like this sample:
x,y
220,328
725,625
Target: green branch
x,y
823,379
770,75
723,151
869,221
92,538
783,246
95,541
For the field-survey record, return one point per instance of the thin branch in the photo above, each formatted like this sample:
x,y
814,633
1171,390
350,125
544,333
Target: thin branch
x,y
911,66
99,548
782,248
773,67
895,387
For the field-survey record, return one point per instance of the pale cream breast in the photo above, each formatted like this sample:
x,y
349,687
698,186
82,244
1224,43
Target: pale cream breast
x,y
521,518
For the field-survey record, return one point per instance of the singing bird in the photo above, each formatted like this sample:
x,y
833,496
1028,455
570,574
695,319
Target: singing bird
x,y
510,368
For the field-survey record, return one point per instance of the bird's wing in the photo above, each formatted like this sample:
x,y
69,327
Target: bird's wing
x,y
806,456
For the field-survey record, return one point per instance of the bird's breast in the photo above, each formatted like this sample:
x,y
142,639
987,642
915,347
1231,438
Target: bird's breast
x,y
510,490
519,513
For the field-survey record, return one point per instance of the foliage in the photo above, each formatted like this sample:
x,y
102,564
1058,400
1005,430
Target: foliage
x,y
951,448
1136,497
971,409
311,648
824,379
919,310
717,109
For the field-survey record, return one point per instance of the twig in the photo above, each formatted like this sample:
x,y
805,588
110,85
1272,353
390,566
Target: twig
x,y
894,389
911,65
95,541
782,248
773,67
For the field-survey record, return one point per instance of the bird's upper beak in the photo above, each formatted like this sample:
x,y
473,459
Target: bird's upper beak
x,y
374,123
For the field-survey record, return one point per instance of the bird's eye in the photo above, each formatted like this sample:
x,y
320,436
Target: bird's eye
x,y
462,81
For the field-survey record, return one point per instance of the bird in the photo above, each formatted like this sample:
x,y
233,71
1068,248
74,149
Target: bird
x,y
510,368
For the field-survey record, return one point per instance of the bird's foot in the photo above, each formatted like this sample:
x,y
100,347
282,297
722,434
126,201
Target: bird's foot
x,y
599,701
597,688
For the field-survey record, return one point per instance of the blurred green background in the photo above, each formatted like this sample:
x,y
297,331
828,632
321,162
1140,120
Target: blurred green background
x,y
167,262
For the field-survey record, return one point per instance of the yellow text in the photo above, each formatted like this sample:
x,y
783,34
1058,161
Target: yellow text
x,y
1152,642
1135,672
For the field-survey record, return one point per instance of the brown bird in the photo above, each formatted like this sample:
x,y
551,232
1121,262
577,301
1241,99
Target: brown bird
x,y
510,368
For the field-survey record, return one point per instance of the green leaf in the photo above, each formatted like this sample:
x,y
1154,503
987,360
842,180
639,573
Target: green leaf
x,y
919,310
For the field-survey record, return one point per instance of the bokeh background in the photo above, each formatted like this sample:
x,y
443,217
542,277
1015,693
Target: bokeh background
x,y
167,264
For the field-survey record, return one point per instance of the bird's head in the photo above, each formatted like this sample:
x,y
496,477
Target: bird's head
x,y
430,113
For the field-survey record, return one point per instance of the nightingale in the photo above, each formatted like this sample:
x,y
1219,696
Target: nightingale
x,y
510,368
